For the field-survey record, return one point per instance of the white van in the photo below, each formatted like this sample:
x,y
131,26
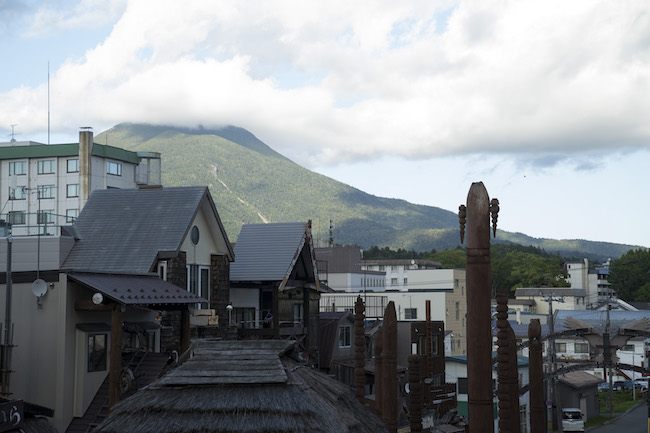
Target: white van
x,y
572,419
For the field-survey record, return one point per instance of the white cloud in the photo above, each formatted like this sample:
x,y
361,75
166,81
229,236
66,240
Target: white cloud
x,y
388,78
64,15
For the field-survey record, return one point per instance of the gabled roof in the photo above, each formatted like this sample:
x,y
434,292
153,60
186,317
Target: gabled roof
x,y
269,252
124,230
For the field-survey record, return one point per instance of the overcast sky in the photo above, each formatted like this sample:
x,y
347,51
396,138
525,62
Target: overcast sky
x,y
547,103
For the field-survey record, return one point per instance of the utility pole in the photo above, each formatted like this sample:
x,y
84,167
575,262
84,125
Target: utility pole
x,y
551,388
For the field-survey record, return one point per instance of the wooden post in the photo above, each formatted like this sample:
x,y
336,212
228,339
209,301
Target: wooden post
x,y
116,356
415,394
359,355
427,344
536,377
305,318
389,368
276,314
379,376
479,334
185,329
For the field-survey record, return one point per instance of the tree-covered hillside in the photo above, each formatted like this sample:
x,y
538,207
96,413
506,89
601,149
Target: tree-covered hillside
x,y
251,183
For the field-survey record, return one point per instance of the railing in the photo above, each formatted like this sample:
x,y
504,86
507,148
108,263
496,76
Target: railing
x,y
375,304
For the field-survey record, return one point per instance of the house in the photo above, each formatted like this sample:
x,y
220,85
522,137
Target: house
x,y
579,389
456,370
274,286
243,386
126,277
336,344
44,186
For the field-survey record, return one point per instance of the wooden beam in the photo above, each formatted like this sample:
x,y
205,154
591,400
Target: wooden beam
x,y
116,356
88,305
185,329
276,314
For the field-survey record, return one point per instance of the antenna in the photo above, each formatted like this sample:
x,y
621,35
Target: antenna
x,y
13,133
48,102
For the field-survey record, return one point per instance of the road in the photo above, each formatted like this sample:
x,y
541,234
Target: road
x,y
635,421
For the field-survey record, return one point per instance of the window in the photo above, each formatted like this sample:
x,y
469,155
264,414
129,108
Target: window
x,y
382,268
45,217
406,281
198,282
46,191
71,215
393,281
18,193
298,312
17,168
462,385
16,217
46,167
582,348
560,347
434,345
410,313
628,348
457,310
73,190
523,416
162,270
73,165
393,268
97,352
344,336
114,168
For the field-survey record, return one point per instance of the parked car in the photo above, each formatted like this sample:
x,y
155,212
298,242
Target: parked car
x,y
572,419
603,386
641,383
620,385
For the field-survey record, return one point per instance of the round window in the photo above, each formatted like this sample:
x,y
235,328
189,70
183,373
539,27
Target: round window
x,y
194,235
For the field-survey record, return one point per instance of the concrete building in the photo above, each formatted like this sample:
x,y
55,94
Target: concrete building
x,y
397,270
571,299
594,281
45,186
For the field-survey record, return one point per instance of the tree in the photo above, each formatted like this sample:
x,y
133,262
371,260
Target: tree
x,y
452,259
629,274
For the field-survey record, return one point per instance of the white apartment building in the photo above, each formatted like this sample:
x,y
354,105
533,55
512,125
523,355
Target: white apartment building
x,y
397,271
45,186
593,281
564,298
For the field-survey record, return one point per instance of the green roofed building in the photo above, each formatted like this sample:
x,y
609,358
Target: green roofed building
x,y
45,186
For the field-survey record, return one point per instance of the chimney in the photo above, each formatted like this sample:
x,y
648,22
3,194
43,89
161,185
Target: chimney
x,y
85,157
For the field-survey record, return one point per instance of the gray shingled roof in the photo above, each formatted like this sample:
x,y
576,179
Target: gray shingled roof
x,y
123,230
267,252
136,289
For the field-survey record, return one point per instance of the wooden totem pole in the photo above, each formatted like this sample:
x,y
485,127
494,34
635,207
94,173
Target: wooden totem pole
x,y
475,219
359,355
536,377
389,368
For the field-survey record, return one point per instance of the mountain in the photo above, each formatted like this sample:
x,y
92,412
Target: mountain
x,y
252,183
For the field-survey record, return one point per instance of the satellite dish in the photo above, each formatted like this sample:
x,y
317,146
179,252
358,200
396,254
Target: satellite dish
x,y
98,298
39,287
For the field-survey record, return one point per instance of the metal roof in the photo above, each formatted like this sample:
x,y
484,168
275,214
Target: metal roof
x,y
69,149
598,318
267,252
124,230
545,291
136,289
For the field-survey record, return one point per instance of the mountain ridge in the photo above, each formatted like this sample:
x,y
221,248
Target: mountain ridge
x,y
252,183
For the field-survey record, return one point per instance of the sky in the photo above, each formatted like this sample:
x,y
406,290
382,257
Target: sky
x,y
547,103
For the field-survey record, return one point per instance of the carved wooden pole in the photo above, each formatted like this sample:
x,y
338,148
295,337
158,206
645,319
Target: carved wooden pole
x,y
415,394
479,338
359,355
379,383
536,377
513,379
427,344
503,367
389,368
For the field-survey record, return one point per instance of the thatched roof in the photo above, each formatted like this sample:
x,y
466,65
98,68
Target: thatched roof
x,y
226,396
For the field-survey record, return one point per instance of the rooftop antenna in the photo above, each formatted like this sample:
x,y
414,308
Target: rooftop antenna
x,y
48,102
13,133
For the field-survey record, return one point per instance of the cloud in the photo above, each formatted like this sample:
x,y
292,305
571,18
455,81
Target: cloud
x,y
65,15
328,82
